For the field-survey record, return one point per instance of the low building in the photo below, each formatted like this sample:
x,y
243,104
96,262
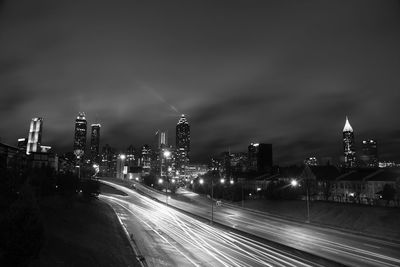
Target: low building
x,y
7,154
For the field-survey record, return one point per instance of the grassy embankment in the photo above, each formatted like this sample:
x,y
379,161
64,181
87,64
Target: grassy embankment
x,y
373,220
83,234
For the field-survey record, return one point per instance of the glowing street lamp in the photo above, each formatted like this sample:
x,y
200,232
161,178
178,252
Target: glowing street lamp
x,y
96,169
295,183
201,181
231,181
160,181
166,155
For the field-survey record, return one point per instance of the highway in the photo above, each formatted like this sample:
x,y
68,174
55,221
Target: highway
x,y
167,237
346,248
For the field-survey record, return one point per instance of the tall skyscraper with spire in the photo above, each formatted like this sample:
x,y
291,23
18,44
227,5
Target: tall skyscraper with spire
x,y
95,143
348,145
182,144
80,133
34,136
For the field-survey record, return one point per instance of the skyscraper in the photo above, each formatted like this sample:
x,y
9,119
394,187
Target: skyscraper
x,y
35,135
130,157
182,144
260,157
369,157
161,139
145,159
348,145
80,133
95,143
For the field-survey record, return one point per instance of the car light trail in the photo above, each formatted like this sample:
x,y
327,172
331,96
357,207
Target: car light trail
x,y
198,242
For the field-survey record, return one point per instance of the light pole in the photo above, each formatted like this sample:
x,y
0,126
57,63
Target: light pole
x,y
222,181
122,157
96,168
79,153
166,155
295,183
242,195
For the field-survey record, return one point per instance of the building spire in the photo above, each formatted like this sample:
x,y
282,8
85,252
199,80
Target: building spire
x,y
347,126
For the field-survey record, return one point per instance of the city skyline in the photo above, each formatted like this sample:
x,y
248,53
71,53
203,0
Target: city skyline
x,y
261,72
357,157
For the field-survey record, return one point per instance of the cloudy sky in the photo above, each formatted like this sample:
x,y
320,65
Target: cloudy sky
x,y
280,72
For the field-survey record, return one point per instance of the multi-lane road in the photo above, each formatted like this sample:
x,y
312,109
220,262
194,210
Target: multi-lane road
x,y
188,241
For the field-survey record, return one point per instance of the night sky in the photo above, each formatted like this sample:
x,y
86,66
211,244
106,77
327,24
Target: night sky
x,y
285,73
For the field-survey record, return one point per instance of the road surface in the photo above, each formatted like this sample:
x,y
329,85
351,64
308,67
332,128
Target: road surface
x,y
167,237
343,247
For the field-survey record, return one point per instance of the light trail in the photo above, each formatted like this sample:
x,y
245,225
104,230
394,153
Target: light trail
x,y
198,242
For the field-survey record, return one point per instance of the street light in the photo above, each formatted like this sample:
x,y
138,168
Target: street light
x,y
166,155
201,181
121,167
79,153
96,170
295,183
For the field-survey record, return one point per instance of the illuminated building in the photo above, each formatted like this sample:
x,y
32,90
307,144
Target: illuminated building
x,y
369,157
130,157
108,161
145,159
80,133
182,144
311,161
161,139
348,145
238,162
22,143
260,158
35,135
95,143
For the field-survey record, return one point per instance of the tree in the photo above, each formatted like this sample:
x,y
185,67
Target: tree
x,y
388,193
67,184
21,231
90,188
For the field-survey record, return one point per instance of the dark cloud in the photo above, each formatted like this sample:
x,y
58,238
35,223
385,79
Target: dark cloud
x,y
284,72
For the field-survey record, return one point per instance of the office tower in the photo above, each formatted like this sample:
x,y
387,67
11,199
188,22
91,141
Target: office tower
x,y
369,157
35,135
182,144
348,145
145,159
80,133
130,157
260,158
95,143
22,144
161,139
107,156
